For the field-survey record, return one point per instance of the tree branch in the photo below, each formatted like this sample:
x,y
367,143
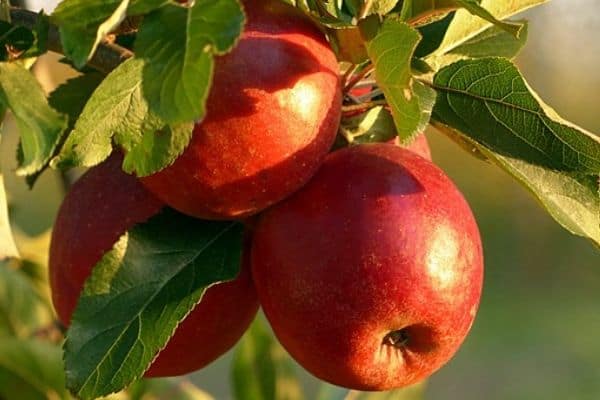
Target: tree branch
x,y
107,57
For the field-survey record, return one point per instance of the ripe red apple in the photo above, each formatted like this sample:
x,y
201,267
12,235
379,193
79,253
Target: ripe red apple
x,y
371,274
419,145
102,205
272,116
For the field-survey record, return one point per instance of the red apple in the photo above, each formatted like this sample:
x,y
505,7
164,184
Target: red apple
x,y
272,116
371,274
419,145
102,205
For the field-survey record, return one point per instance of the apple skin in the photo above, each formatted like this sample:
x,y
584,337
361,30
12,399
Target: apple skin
x,y
379,248
101,206
272,116
419,145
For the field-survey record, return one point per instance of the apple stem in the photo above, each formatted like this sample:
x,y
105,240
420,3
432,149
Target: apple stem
x,y
358,77
398,339
363,106
349,72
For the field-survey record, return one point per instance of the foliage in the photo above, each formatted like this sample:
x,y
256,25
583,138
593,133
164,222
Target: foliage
x,y
443,63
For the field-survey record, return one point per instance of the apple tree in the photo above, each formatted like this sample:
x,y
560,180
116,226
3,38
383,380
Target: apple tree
x,y
264,153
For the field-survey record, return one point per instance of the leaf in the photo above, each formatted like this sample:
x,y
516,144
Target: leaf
x,y
261,369
23,44
375,125
493,42
489,102
40,34
14,40
465,26
172,389
330,392
22,310
118,109
70,97
84,23
40,126
491,93
350,45
32,369
79,41
432,34
179,62
7,244
379,7
391,51
34,260
139,292
473,6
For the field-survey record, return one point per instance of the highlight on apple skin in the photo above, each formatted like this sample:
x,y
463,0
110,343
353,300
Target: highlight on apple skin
x,y
371,274
272,115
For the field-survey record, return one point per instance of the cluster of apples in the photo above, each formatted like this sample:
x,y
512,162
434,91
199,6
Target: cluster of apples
x,y
366,261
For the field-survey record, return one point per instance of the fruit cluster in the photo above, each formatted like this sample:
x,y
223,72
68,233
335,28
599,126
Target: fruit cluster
x,y
366,261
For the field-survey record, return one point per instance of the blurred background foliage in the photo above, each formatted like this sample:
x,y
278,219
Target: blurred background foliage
x,y
536,333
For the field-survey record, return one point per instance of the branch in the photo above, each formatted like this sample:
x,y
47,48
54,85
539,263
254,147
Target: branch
x,y
363,106
107,57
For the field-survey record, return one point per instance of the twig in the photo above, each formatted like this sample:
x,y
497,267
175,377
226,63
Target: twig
x,y
365,9
363,106
107,57
351,70
357,78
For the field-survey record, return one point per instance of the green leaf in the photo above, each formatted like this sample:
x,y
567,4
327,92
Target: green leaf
x,y
178,45
379,7
21,43
139,292
466,26
391,52
40,126
489,102
156,147
473,6
34,262
22,310
7,244
16,38
171,389
419,12
329,13
70,97
118,109
84,23
330,392
493,42
350,45
261,369
40,33
375,125
80,41
31,370
433,34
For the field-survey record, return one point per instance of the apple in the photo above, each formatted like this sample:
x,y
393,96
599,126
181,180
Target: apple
x,y
101,206
272,115
419,145
371,274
